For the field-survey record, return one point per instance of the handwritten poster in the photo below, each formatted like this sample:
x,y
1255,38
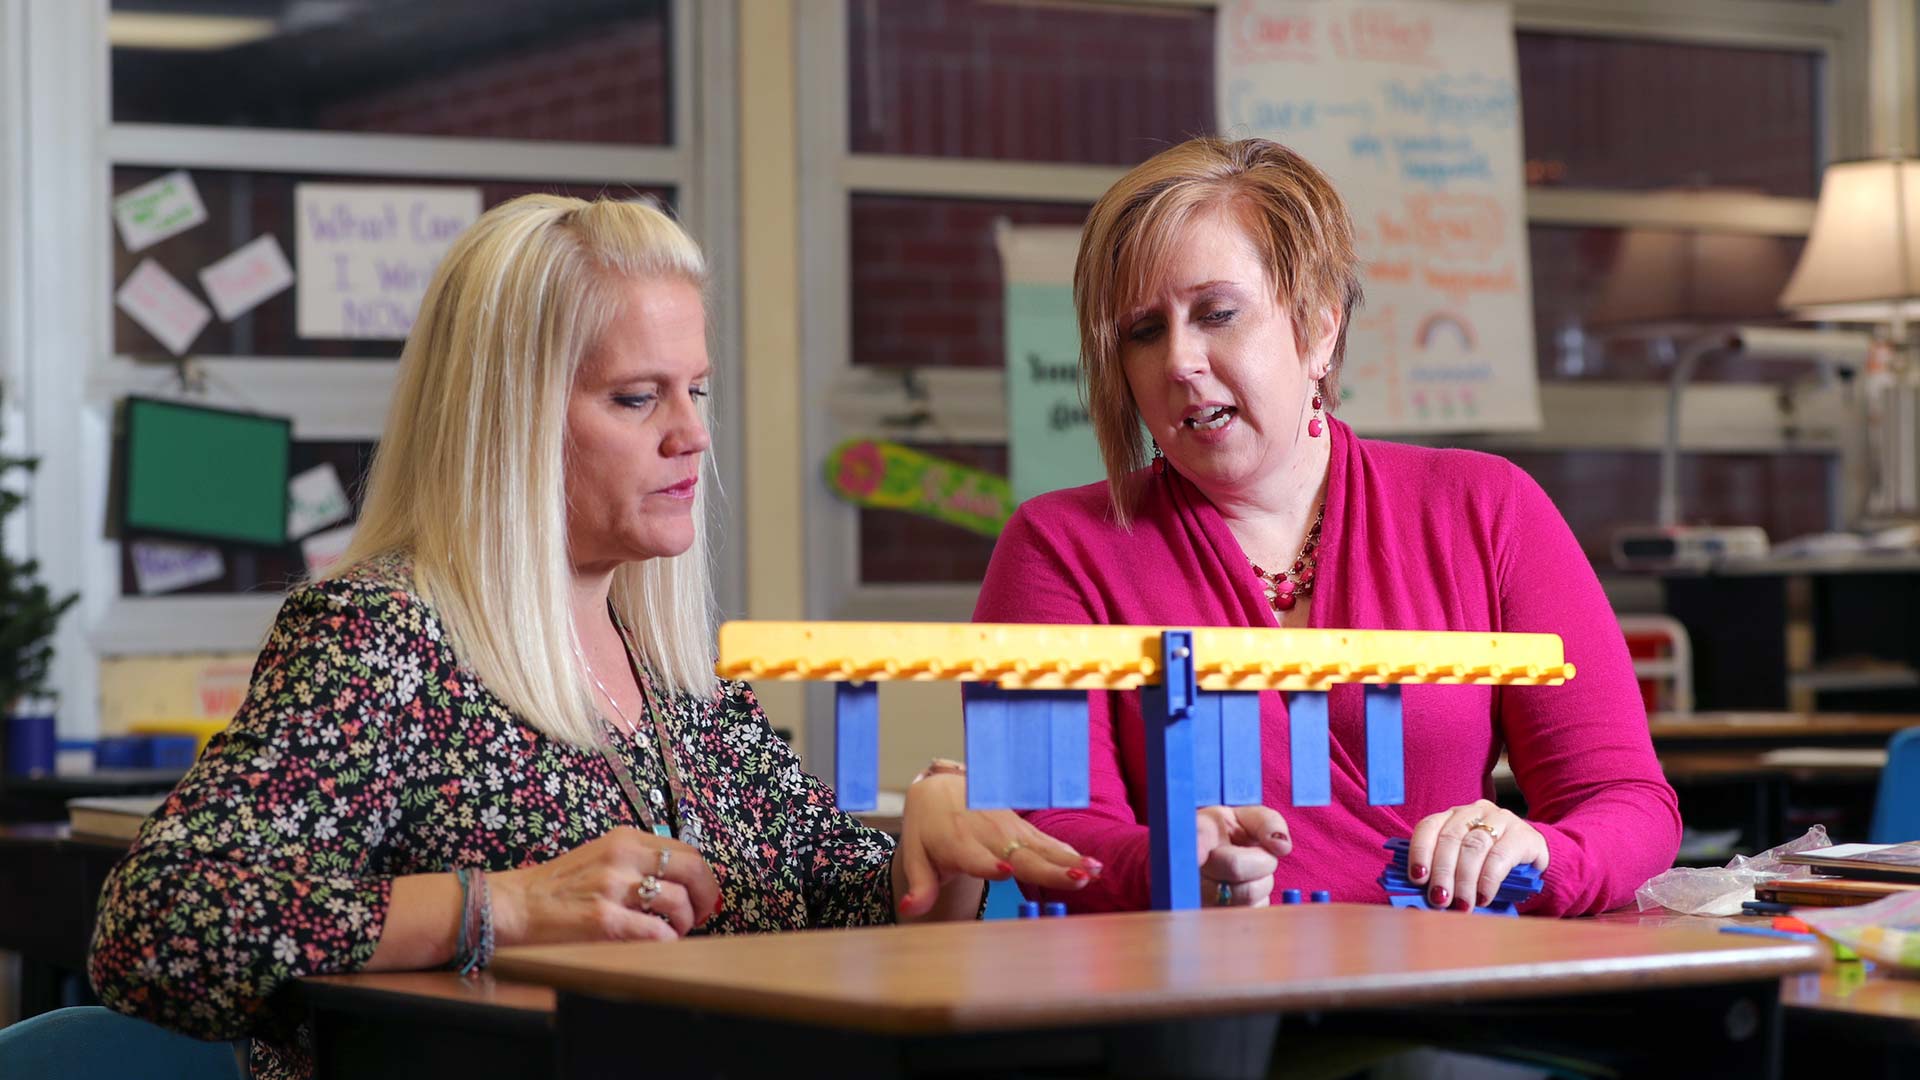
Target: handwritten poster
x,y
160,566
315,499
365,253
1050,440
1412,107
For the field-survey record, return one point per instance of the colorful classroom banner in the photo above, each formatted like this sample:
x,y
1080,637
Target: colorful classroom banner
x,y
364,253
889,476
1050,439
1413,108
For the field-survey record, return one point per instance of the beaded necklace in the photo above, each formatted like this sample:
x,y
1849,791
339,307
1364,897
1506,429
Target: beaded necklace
x,y
1296,582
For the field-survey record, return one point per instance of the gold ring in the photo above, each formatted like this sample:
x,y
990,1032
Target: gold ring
x,y
1476,823
1011,847
648,890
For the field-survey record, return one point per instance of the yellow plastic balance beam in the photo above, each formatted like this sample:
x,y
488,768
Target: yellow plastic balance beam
x,y
1021,656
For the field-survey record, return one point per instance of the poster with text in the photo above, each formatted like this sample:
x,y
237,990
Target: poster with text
x,y
363,254
1050,441
1412,107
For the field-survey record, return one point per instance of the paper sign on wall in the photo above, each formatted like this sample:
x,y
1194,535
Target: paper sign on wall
x,y
1050,437
251,274
162,306
365,254
162,567
158,209
1413,109
322,550
315,499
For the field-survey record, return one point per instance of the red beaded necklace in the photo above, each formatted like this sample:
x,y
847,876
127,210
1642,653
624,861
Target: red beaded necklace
x,y
1296,582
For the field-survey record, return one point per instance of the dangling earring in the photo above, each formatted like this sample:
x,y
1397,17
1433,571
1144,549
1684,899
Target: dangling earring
x,y
1159,459
1313,425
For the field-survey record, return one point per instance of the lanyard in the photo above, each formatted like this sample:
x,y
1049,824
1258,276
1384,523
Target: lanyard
x,y
657,816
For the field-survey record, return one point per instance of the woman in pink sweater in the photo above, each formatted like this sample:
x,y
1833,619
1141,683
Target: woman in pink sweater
x,y
1214,287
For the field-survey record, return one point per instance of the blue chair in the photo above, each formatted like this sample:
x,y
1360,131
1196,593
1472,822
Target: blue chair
x,y
88,1042
1896,808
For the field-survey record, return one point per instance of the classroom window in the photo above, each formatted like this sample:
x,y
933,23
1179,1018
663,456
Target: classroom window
x,y
1600,490
1639,114
927,287
1026,82
898,548
241,206
592,71
1619,304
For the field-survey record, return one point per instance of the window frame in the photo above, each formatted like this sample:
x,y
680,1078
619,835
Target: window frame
x,y
57,68
845,402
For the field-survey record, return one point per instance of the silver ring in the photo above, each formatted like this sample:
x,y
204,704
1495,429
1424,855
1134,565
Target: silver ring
x,y
648,890
1223,895
660,867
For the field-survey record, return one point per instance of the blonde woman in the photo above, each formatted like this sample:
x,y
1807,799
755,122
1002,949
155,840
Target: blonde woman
x,y
1215,284
499,723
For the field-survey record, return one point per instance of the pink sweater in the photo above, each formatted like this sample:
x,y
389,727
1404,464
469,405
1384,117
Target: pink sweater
x,y
1414,539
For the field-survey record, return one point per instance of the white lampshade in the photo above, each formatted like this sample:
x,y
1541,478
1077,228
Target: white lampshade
x,y
1862,261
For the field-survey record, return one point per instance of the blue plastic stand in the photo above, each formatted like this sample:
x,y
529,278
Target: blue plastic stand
x,y
1167,710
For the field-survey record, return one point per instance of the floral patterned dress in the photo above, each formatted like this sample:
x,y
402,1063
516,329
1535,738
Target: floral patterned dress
x,y
364,751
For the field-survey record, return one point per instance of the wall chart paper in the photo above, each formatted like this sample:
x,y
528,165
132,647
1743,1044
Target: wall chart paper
x,y
1412,107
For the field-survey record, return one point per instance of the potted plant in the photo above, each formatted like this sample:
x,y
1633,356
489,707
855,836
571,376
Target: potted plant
x,y
29,613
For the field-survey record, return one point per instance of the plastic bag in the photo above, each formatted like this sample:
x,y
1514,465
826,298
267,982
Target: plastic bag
x,y
1721,891
1886,931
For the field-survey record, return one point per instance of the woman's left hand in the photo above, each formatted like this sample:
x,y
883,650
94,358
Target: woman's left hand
x,y
942,843
1466,852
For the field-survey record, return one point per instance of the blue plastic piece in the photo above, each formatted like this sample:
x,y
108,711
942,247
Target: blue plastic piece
x,y
856,744
1205,719
1522,883
31,744
1067,757
1029,909
1003,900
1029,745
174,751
989,751
1896,808
1386,770
1290,896
1322,896
1054,909
1165,710
1307,739
1240,748
124,752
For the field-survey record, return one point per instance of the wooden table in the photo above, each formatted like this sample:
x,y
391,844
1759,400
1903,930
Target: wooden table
x,y
1842,1020
1777,727
1158,993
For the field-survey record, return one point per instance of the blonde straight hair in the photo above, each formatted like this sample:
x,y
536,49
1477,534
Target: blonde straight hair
x,y
469,477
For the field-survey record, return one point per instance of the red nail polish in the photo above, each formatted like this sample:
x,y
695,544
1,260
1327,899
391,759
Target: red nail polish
x,y
1076,875
1419,874
1094,866
1276,836
906,901
1005,868
1438,897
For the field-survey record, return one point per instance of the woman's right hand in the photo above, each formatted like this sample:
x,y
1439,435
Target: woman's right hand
x,y
1240,847
595,893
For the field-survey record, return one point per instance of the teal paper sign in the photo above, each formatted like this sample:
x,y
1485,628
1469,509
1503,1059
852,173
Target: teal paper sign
x,y
1050,438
